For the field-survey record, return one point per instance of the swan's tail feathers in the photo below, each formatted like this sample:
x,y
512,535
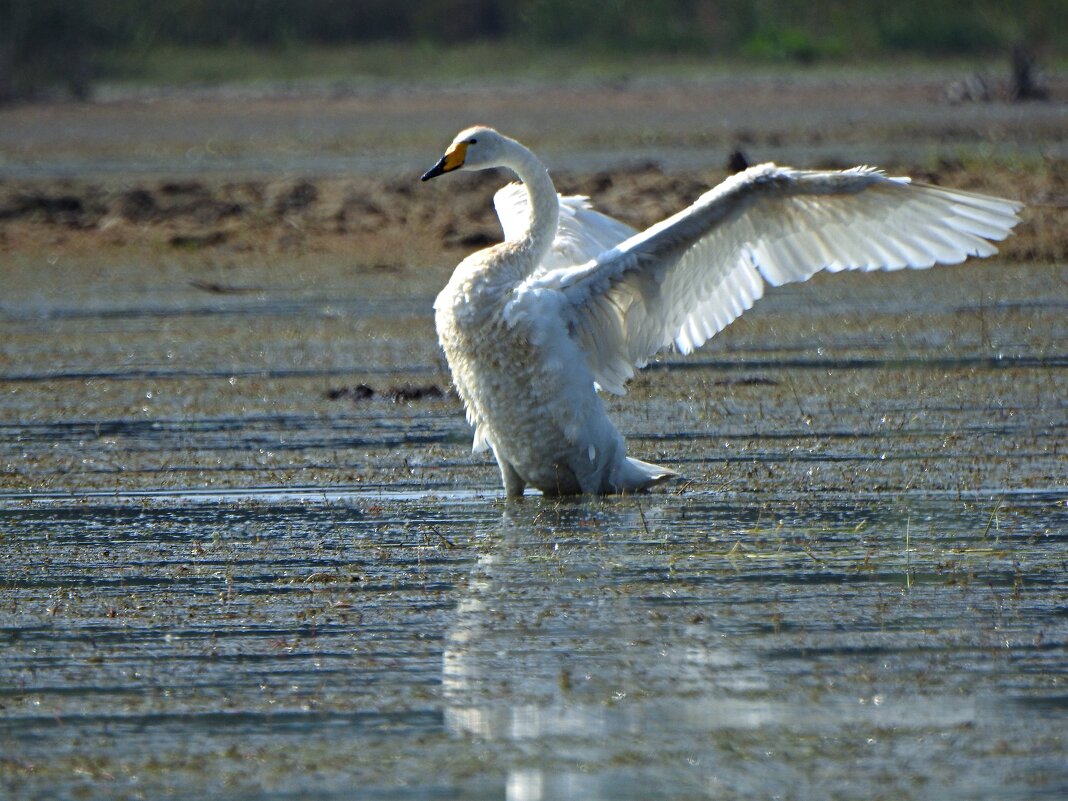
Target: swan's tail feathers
x,y
636,475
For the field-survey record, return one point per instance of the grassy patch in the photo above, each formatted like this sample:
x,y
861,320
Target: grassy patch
x,y
239,64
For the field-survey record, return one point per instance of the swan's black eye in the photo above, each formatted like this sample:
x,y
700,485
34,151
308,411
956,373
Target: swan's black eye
x,y
472,141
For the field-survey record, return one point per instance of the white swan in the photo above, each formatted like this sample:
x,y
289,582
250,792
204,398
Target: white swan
x,y
573,300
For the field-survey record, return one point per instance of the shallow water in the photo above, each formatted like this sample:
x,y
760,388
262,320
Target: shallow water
x,y
218,581
295,643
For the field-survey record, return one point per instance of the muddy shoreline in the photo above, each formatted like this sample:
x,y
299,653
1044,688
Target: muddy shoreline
x,y
392,221
237,174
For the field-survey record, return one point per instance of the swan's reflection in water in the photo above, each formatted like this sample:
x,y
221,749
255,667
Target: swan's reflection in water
x,y
571,645
594,657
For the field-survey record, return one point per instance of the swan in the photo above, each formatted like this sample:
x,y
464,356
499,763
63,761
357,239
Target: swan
x,y
574,301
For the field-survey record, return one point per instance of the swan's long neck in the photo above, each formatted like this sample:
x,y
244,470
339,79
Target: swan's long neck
x,y
537,237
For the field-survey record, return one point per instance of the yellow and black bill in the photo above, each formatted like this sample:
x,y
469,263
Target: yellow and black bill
x,y
452,160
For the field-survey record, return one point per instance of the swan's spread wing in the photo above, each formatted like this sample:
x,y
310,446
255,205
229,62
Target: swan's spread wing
x,y
688,277
581,234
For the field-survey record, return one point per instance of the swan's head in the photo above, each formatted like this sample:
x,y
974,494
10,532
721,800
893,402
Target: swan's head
x,y
477,148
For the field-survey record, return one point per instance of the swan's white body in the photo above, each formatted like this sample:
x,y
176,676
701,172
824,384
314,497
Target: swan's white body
x,y
573,301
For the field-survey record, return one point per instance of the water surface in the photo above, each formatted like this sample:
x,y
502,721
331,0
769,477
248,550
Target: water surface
x,y
219,577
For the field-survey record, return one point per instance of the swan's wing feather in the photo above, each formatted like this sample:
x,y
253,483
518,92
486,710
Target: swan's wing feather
x,y
582,233
686,278
512,205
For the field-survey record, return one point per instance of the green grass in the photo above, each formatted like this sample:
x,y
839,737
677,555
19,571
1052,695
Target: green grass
x,y
242,64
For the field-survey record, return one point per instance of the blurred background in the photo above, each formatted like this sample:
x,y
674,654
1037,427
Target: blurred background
x,y
71,46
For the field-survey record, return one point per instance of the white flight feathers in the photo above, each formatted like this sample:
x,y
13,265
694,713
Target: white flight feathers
x,y
686,278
